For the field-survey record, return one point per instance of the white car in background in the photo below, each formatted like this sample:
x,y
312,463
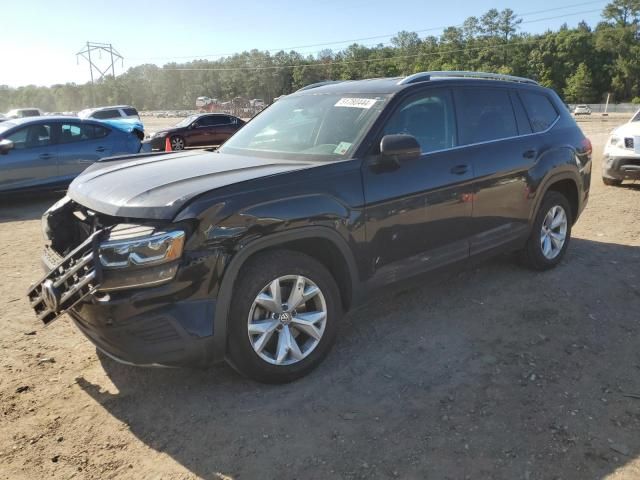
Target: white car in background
x,y
621,159
582,110
109,113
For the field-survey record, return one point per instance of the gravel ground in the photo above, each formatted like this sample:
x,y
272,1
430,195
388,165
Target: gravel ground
x,y
496,372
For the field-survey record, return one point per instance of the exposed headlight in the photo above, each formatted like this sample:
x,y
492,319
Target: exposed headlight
x,y
159,134
142,261
615,141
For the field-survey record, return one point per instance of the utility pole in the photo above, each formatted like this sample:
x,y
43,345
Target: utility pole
x,y
100,47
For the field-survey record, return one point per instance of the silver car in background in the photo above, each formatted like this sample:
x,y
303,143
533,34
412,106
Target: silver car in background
x,y
47,153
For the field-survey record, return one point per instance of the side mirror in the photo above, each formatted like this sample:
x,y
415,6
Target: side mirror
x,y
394,148
5,146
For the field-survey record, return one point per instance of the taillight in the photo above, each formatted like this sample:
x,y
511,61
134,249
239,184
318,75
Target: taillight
x,y
586,146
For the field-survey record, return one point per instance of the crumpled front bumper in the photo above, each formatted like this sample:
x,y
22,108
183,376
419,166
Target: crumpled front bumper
x,y
167,325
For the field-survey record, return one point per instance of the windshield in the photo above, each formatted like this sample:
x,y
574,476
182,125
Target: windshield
x,y
636,117
186,121
320,126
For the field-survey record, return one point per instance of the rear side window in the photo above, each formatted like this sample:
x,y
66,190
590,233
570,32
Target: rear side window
x,y
484,114
540,110
92,132
102,114
130,111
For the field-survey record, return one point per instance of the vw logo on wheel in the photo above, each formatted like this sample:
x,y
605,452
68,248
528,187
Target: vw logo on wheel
x,y
50,295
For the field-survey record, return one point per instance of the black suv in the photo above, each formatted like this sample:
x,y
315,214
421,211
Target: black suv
x,y
253,252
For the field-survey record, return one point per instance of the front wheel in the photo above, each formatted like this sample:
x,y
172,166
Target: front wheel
x,y
284,317
177,143
550,235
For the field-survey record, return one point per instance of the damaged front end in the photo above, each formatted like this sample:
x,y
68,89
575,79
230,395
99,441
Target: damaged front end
x,y
87,253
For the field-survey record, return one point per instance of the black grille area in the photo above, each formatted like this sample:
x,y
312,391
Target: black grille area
x,y
628,142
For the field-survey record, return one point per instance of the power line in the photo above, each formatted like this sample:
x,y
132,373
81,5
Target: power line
x,y
368,60
339,42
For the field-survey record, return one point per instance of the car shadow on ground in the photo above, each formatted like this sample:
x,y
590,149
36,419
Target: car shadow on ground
x,y
495,372
25,207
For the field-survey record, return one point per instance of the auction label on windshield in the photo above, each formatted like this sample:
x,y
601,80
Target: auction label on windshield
x,y
356,102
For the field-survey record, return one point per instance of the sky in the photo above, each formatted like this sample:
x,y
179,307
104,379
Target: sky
x,y
40,38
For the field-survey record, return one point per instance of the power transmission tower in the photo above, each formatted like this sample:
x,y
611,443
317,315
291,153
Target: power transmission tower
x,y
100,47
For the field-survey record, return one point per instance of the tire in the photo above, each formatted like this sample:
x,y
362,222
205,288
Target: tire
x,y
611,182
536,253
271,328
177,143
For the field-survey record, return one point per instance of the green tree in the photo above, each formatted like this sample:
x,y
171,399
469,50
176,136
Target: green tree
x,y
579,86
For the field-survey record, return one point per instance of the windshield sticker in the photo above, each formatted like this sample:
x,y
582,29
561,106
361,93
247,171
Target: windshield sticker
x,y
342,148
356,102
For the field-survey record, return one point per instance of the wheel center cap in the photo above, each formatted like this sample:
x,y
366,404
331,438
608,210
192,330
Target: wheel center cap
x,y
285,318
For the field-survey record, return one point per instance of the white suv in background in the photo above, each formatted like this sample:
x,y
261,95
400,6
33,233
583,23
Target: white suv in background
x,y
582,110
105,113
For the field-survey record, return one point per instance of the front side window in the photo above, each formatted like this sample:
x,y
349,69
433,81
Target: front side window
x,y
31,136
132,112
313,126
540,110
484,114
429,117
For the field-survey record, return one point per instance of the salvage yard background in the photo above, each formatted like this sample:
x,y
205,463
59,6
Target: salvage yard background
x,y
496,372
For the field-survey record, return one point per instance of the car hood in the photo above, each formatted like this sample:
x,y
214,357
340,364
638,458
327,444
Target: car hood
x,y
157,186
630,129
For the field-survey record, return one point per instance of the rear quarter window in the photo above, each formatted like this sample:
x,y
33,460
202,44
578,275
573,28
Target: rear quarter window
x,y
540,110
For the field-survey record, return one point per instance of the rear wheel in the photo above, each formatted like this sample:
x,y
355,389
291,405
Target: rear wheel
x,y
550,234
611,182
177,143
283,318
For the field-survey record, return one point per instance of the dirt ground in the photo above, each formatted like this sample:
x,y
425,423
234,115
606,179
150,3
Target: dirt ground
x,y
496,372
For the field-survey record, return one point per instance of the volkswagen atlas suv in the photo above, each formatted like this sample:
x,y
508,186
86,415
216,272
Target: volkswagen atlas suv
x,y
253,253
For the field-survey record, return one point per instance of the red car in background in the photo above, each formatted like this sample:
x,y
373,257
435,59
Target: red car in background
x,y
199,130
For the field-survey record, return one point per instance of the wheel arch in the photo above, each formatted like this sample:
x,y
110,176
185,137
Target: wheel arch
x,y
322,243
565,183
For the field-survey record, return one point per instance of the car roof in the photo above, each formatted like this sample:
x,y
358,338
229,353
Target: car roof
x,y
49,118
95,109
393,85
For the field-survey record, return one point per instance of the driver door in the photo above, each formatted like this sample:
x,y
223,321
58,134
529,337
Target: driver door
x,y
418,212
33,161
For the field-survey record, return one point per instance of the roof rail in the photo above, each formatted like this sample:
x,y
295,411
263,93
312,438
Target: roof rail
x,y
426,76
319,84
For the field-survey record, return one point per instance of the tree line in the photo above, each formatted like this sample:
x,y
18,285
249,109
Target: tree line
x,y
582,64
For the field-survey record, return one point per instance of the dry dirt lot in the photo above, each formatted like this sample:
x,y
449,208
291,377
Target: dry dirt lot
x,y
496,372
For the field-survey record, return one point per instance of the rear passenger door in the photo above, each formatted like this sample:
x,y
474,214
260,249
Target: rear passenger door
x,y
493,132
79,145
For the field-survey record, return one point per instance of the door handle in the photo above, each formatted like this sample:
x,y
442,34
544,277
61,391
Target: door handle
x,y
100,149
45,156
460,169
530,153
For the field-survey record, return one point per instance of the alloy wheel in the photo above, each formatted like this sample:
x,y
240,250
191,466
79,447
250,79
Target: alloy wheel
x,y
177,143
287,320
553,233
